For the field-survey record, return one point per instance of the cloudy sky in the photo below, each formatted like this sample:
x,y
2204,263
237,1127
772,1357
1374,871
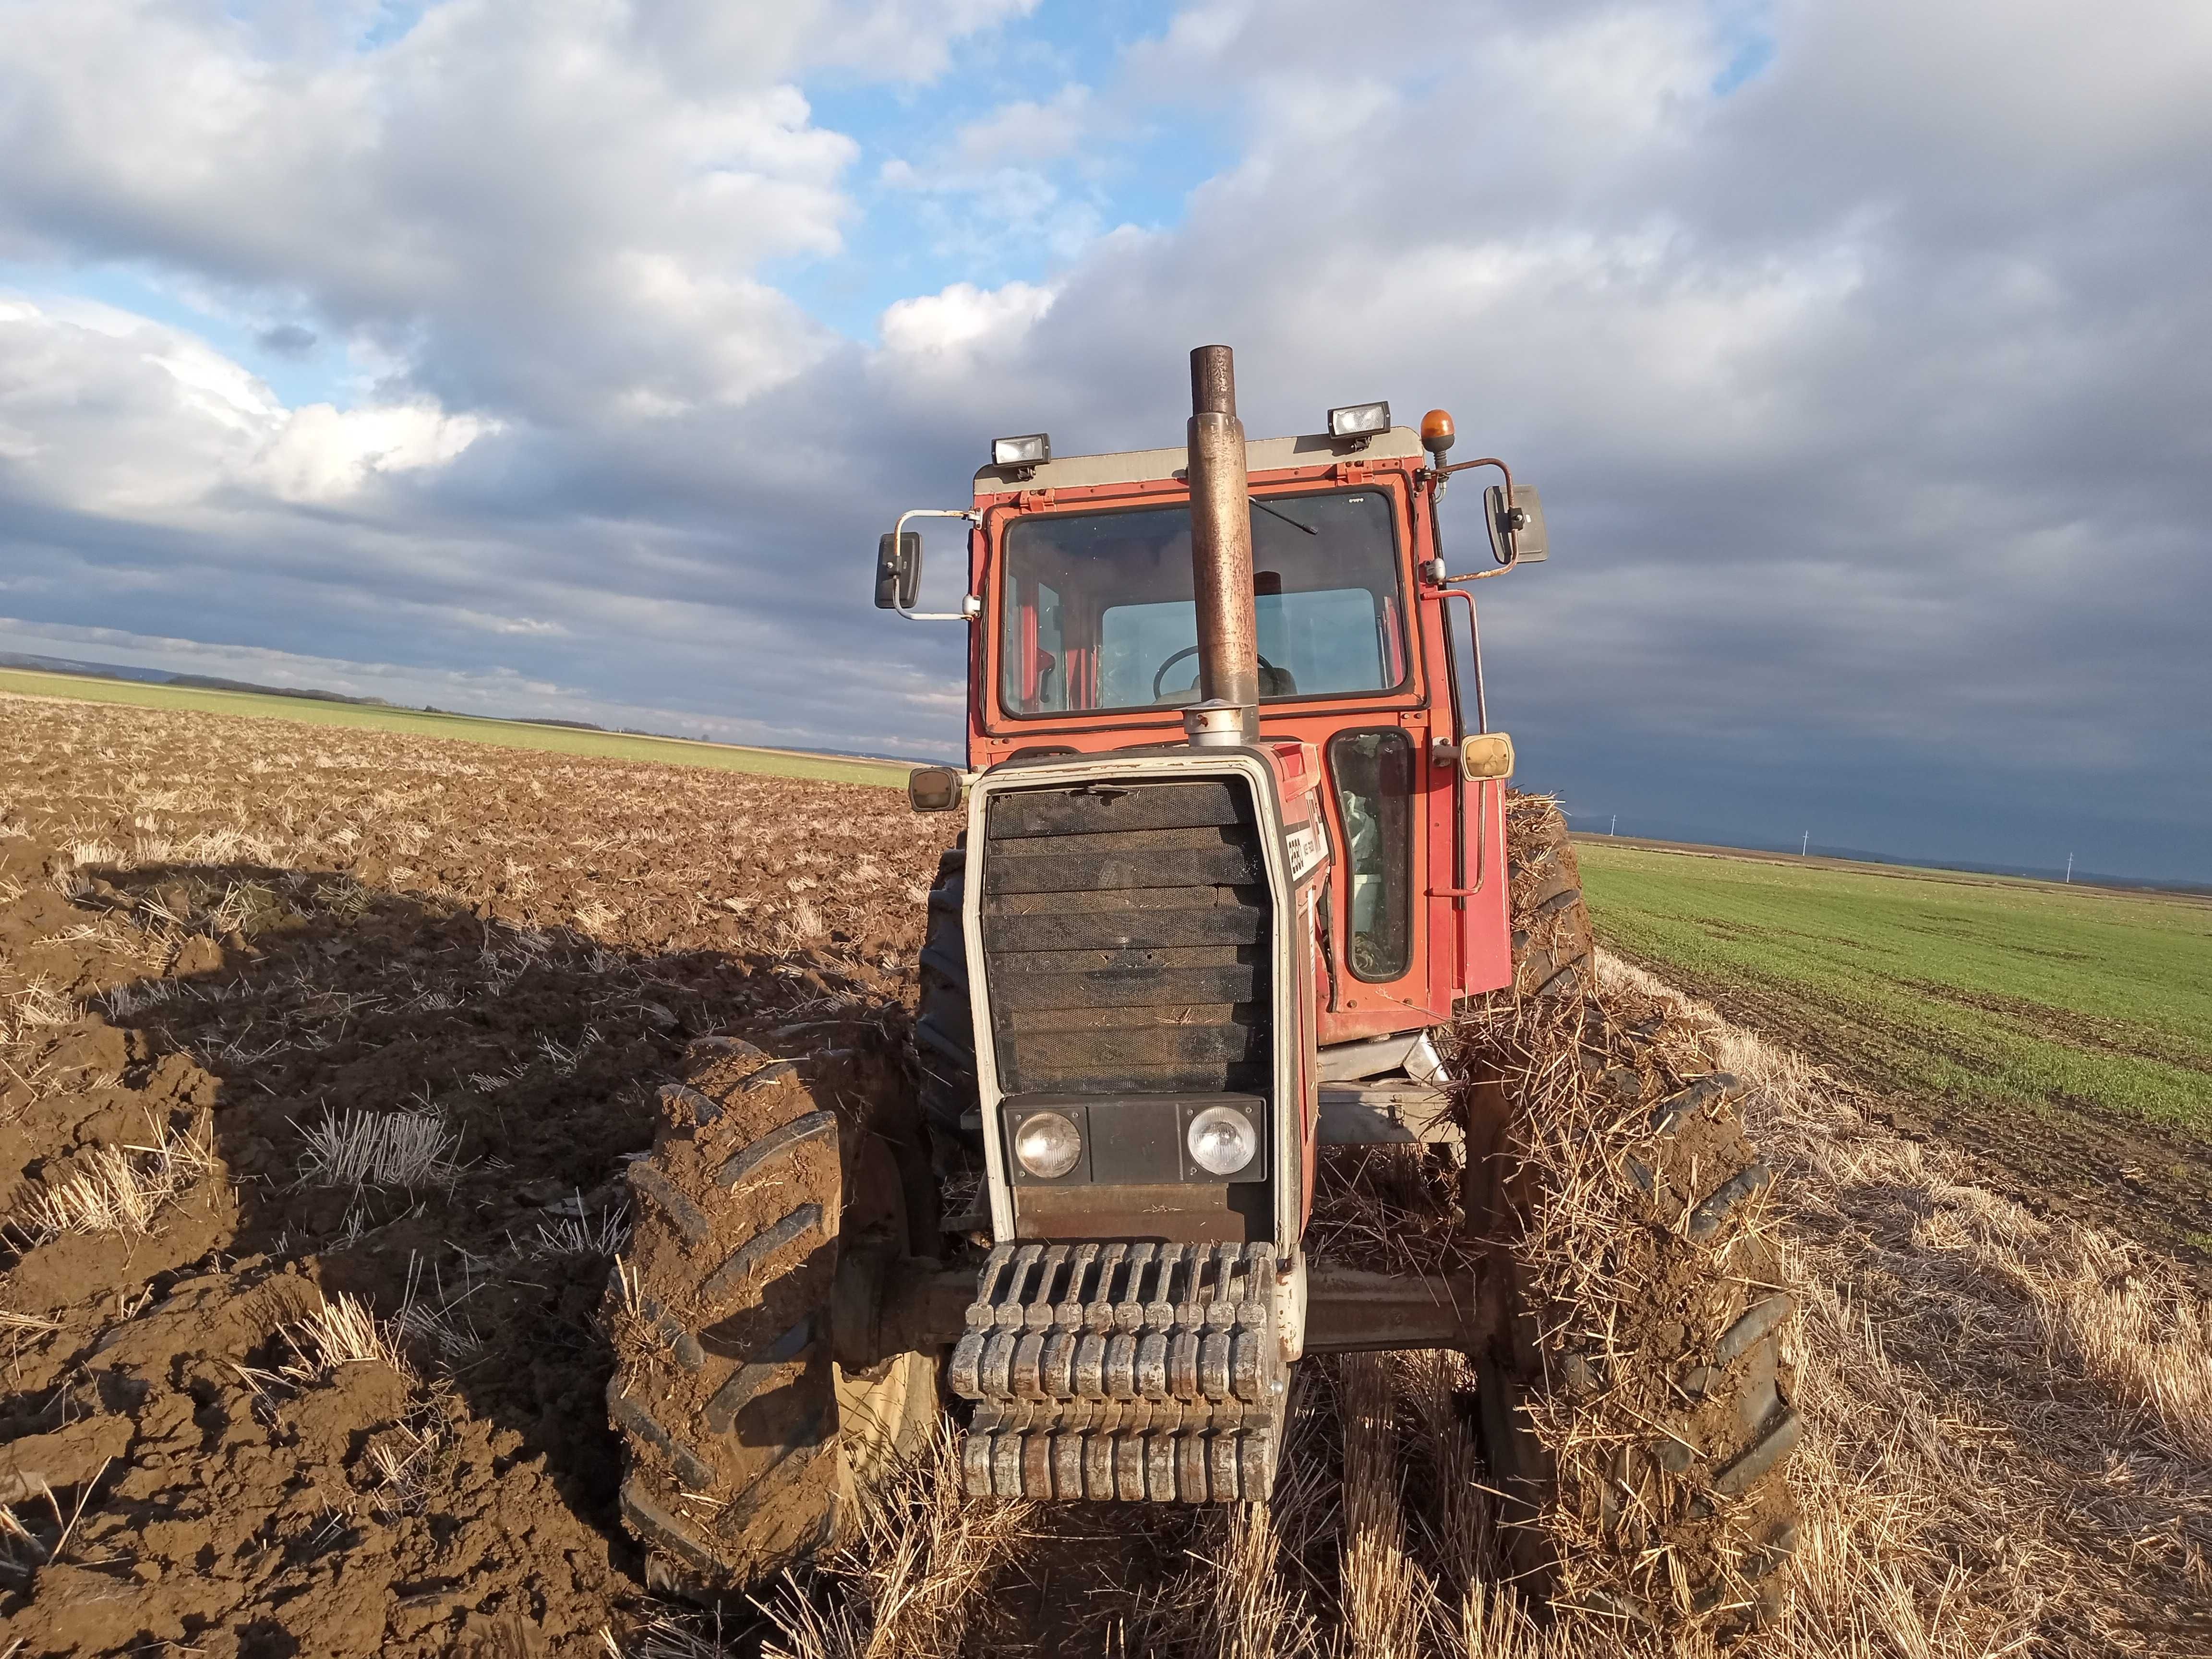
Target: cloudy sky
x,y
565,357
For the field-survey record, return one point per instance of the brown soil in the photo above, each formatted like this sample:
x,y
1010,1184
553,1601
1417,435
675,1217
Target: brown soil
x,y
254,927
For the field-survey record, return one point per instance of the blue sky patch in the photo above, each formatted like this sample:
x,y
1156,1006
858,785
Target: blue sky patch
x,y
1749,43
931,209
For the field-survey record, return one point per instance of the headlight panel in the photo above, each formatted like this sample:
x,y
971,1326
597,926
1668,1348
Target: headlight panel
x,y
1135,1140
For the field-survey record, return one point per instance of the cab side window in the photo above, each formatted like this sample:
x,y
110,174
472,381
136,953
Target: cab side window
x,y
1373,772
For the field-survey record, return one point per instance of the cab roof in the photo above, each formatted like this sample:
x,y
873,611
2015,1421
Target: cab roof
x,y
1147,465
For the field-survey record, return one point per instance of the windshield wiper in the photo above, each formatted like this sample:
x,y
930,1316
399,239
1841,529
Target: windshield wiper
x,y
1277,512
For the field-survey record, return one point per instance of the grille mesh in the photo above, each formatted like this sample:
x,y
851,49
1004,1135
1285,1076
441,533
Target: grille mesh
x,y
1125,937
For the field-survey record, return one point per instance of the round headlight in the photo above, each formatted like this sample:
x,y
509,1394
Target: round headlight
x,y
1223,1140
1047,1144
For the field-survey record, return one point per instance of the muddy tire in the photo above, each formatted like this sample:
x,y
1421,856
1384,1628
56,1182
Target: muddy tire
x,y
747,1446
1554,954
944,1026
1691,1505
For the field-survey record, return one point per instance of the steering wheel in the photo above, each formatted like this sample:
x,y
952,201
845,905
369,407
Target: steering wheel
x,y
1192,651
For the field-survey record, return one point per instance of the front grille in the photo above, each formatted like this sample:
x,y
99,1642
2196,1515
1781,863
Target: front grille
x,y
1125,939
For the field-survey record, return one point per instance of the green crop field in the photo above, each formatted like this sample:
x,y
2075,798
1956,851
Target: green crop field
x,y
2060,1034
2031,991
2068,1031
507,734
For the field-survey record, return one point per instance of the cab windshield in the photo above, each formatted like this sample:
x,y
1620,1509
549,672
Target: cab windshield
x,y
1095,610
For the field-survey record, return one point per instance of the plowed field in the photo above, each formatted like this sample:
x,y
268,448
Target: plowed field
x,y
236,938
321,1054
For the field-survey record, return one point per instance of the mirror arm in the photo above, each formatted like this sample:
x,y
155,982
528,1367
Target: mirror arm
x,y
1485,460
971,604
1481,575
1438,474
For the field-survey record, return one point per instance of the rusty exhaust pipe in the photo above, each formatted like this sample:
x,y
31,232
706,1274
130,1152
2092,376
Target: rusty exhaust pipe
x,y
1221,558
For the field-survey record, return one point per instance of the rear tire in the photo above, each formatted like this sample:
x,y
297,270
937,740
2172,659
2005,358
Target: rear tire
x,y
1702,1369
747,1444
1553,953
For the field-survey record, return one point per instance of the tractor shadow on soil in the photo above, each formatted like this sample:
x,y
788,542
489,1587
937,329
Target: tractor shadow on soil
x,y
528,1057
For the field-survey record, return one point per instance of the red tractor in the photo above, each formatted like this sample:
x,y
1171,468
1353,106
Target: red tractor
x,y
1235,857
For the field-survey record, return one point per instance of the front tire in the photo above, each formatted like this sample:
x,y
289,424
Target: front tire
x,y
747,1444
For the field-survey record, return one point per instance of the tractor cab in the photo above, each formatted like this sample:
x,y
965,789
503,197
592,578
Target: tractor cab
x,y
1084,613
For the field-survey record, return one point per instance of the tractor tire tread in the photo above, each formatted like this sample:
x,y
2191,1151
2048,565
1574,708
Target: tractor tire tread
x,y
1730,1443
710,1394
1554,952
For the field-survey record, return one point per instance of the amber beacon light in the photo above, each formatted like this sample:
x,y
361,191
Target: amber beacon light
x,y
1437,431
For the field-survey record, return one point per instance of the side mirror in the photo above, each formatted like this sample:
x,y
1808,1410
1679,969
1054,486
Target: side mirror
x,y
898,570
1517,532
1485,755
933,789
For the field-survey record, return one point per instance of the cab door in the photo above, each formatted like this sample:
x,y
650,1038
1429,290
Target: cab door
x,y
1384,978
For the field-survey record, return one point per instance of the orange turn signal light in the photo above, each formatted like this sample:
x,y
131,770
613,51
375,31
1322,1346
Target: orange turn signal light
x,y
1437,431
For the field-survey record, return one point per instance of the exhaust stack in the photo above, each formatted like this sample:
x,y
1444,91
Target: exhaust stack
x,y
1221,558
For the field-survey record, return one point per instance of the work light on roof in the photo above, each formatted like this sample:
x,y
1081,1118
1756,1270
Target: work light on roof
x,y
1031,449
1359,420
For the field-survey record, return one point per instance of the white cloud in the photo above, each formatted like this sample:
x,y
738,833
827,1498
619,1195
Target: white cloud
x,y
909,39
704,44
513,197
1014,187
963,318
104,412
324,454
